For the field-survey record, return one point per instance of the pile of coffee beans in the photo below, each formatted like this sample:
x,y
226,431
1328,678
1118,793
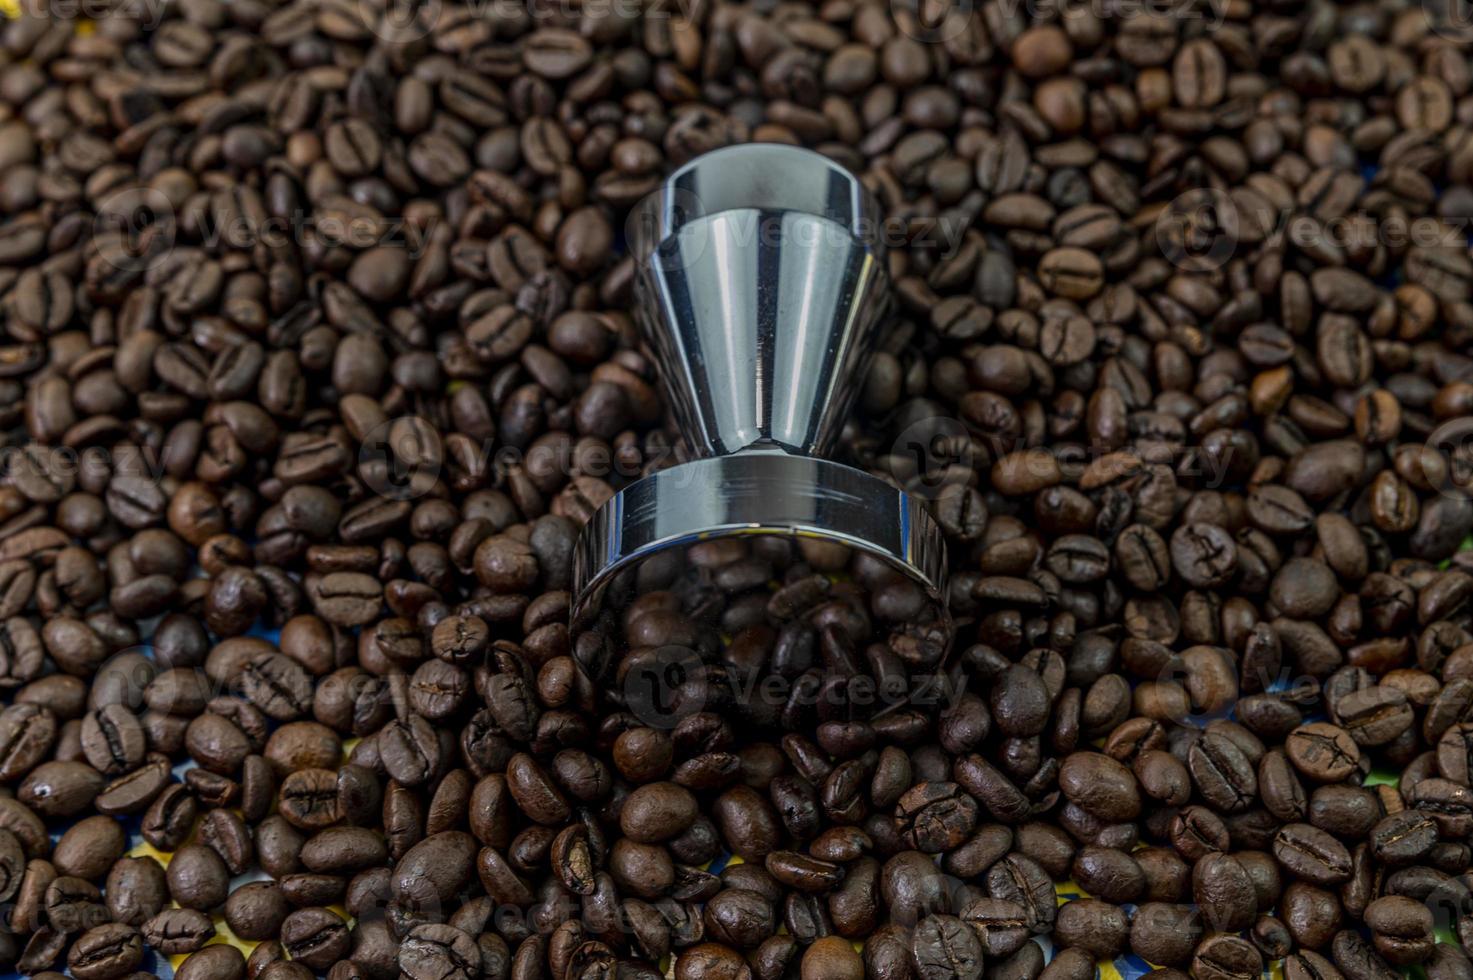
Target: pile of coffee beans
x,y
318,352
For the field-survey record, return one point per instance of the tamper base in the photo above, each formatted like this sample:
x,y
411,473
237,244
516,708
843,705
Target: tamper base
x,y
757,493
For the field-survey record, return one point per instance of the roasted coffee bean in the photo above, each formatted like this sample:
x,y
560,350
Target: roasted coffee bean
x,y
1109,874
27,734
1100,785
1447,962
309,798
1401,929
1165,933
1355,957
1312,914
218,960
276,685
113,740
61,789
409,751
1223,775
1019,879
1093,926
1224,891
316,937
1312,854
1346,811
198,878
1226,958
89,847
434,870
740,917
1376,715
1322,752
1203,554
73,904
944,945
12,865
935,817
1002,926
175,931
1403,838
110,950
442,951
169,819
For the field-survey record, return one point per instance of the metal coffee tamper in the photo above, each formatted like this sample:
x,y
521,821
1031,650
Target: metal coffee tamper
x,y
761,287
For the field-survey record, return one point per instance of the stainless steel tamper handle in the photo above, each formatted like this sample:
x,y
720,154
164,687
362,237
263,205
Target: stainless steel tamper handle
x,y
761,288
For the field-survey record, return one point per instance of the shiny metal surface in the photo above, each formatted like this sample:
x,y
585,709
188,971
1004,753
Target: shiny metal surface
x,y
765,343
761,299
757,493
764,176
762,287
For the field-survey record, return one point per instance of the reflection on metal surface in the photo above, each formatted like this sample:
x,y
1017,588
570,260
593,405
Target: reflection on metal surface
x,y
770,493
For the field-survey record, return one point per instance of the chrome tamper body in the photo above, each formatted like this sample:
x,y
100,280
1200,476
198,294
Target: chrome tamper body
x,y
762,288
